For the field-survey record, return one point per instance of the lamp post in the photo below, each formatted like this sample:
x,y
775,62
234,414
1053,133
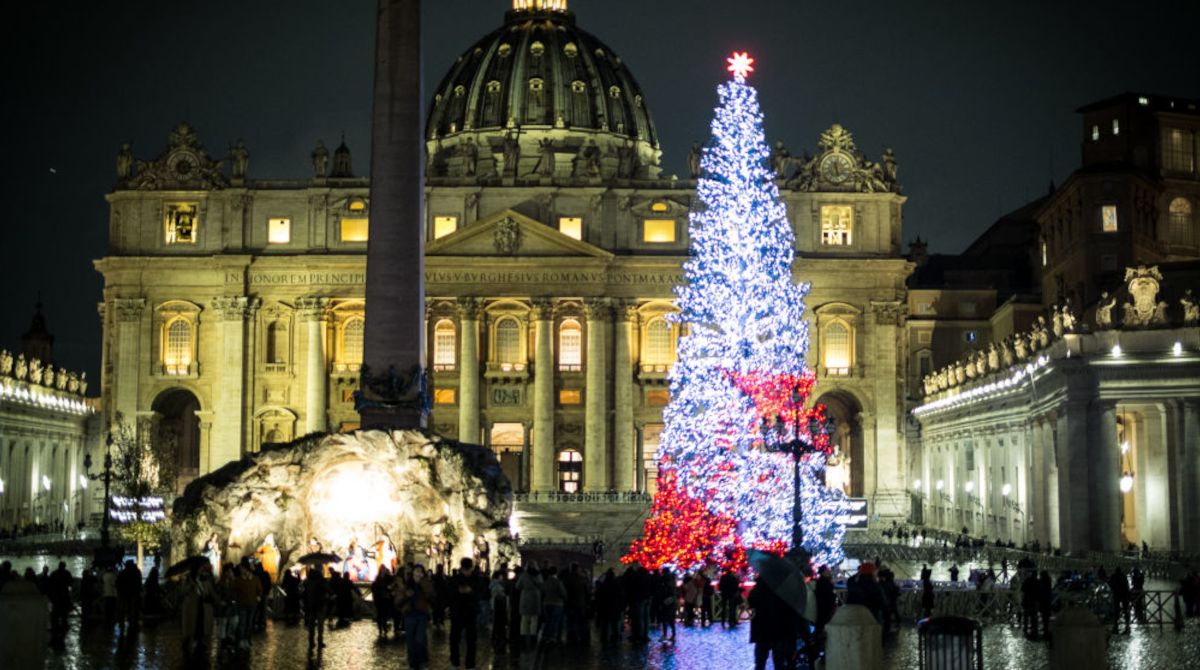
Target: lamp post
x,y
106,475
795,447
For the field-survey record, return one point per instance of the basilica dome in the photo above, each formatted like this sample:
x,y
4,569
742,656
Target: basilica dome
x,y
543,78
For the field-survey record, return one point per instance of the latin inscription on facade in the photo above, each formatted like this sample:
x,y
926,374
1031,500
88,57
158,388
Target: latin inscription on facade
x,y
469,277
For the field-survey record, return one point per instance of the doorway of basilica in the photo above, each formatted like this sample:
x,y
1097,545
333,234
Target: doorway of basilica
x,y
845,468
175,419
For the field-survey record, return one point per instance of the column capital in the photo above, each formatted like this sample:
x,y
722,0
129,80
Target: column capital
x,y
129,309
313,308
468,308
542,309
598,309
625,310
236,308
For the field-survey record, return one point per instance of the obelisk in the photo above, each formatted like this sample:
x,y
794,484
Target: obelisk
x,y
393,394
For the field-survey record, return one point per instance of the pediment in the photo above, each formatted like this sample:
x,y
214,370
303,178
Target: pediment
x,y
513,235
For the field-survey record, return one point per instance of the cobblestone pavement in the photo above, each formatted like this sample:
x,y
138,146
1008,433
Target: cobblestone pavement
x,y
358,648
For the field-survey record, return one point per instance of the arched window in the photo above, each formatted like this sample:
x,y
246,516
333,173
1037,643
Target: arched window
x,y
177,349
352,341
277,343
837,349
1181,229
570,471
570,346
658,343
444,343
508,341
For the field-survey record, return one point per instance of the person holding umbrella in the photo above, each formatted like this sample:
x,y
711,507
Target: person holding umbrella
x,y
316,602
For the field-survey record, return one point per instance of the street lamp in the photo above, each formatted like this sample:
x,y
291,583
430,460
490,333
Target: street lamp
x,y
794,446
106,475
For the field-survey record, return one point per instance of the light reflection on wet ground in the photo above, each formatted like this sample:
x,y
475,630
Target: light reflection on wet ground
x,y
283,646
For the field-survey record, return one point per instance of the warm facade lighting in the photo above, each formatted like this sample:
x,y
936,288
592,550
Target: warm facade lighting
x,y
279,230
444,225
659,231
571,226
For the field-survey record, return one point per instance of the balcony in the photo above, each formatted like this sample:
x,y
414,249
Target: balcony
x,y
508,372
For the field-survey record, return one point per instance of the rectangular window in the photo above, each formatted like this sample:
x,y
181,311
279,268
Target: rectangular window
x,y
570,397
659,231
1178,150
571,226
1095,133
444,225
182,223
1108,218
443,348
354,230
924,337
658,398
924,308
445,396
279,230
925,365
837,223
1116,127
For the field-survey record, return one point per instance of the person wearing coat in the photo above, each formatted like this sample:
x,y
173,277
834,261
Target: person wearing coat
x,y
529,585
196,611
772,628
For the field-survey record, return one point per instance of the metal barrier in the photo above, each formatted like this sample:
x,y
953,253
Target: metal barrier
x,y
950,643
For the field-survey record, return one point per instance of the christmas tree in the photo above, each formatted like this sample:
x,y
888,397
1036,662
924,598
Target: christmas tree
x,y
739,388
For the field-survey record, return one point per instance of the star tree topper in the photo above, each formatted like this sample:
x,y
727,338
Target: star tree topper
x,y
740,64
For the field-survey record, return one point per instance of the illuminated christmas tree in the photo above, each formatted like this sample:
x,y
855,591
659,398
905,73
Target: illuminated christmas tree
x,y
740,385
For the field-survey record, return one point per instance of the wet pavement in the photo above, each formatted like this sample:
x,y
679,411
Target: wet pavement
x,y
357,647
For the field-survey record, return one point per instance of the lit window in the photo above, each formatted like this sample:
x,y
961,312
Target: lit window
x,y
357,205
658,398
570,471
658,343
177,352
837,349
1108,218
508,341
924,337
444,225
352,341
279,230
570,346
1045,254
444,396
1181,230
1143,101
1116,127
570,397
1178,153
182,222
1095,133
837,223
924,308
444,342
277,343
354,230
571,226
659,231
659,207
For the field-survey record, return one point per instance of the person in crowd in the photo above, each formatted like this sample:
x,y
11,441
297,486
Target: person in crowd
x,y
266,584
926,594
498,597
863,589
1120,592
529,584
268,557
639,589
381,593
291,597
773,626
441,597
129,595
463,616
954,574
343,596
1045,600
416,598
826,599
316,604
667,601
152,595
609,607
1029,604
891,598
575,606
197,605
514,608
247,591
89,591
707,592
59,592
691,599
730,589
1137,580
554,599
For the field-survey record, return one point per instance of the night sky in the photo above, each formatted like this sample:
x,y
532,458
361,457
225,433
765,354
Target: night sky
x,y
977,99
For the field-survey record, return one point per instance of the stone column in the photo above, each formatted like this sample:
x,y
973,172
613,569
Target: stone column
x,y
129,336
887,470
229,394
468,371
1156,513
640,457
1105,477
522,483
595,472
314,312
1190,448
541,460
1074,496
623,451
395,328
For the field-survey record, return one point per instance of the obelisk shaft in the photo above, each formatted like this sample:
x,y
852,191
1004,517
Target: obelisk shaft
x,y
395,312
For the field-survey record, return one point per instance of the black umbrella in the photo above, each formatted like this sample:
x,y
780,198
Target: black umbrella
x,y
186,566
783,577
318,558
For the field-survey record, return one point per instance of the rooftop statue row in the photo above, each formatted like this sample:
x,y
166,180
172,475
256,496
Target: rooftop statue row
x,y
1142,310
35,371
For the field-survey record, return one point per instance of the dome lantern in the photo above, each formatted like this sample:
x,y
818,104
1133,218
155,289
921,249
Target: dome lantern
x,y
539,5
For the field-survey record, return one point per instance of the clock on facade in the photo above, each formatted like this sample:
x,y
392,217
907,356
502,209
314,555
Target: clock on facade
x,y
836,168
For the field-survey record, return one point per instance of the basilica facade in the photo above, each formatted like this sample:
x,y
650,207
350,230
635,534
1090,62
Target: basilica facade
x,y
233,306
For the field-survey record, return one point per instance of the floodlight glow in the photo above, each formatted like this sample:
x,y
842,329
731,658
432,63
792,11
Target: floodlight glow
x,y
969,486
940,484
1116,351
1005,490
1177,350
1126,483
917,484
83,482
1125,447
349,500
45,482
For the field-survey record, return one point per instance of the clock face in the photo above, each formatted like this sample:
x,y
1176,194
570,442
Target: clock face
x,y
836,168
